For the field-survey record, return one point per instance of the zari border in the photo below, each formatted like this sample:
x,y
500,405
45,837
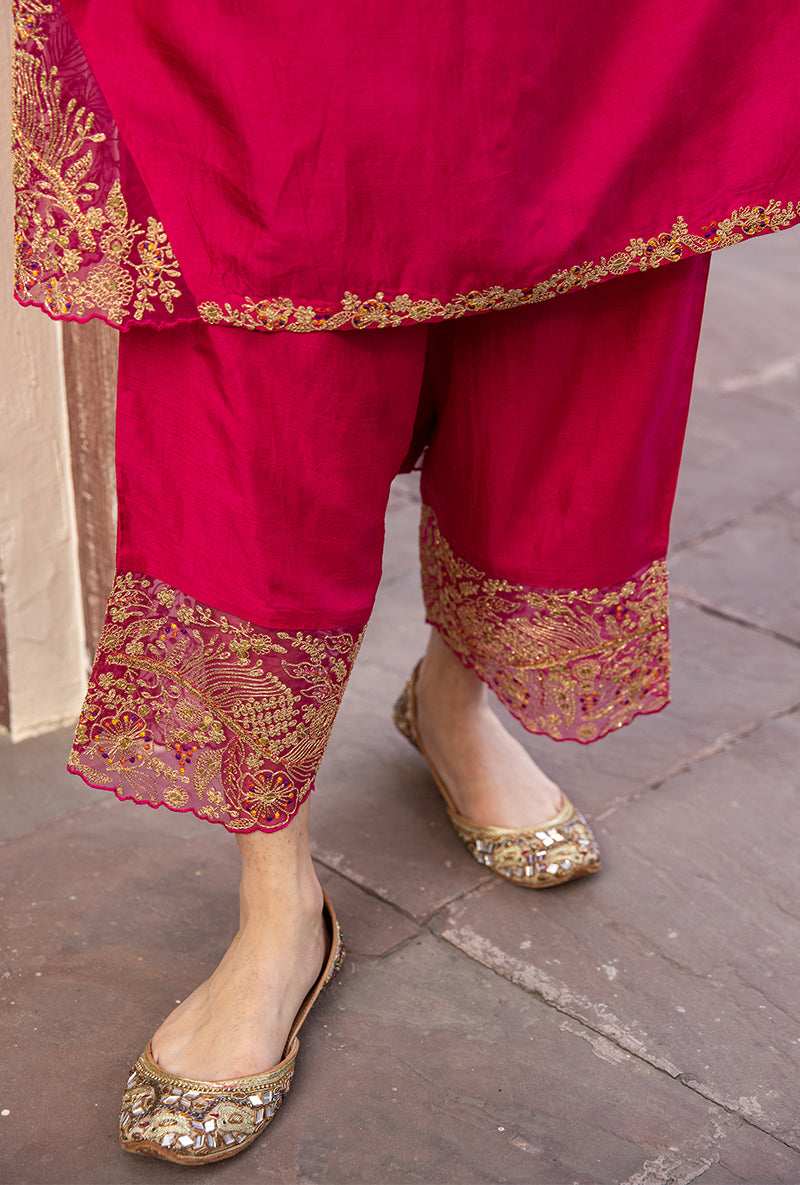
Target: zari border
x,y
381,312
80,252
200,711
572,664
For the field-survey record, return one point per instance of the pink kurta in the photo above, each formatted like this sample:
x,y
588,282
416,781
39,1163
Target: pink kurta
x,y
316,166
313,167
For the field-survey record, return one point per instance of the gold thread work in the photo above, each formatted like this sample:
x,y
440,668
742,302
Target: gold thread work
x,y
80,254
573,664
201,711
382,312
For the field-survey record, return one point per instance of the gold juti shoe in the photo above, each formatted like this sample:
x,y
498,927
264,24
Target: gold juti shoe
x,y
562,849
195,1123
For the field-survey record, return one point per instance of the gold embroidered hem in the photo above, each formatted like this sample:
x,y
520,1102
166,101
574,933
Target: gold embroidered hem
x,y
201,711
382,312
573,664
89,242
79,251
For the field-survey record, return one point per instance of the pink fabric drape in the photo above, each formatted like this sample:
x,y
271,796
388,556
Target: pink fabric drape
x,y
308,167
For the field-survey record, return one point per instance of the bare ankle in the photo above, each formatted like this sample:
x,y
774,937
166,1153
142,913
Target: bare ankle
x,y
279,887
444,678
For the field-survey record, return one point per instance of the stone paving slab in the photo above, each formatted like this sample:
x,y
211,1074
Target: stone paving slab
x,y
723,475
744,425
38,762
750,569
731,1157
684,949
748,1155
725,680
750,326
422,1047
469,1079
429,1051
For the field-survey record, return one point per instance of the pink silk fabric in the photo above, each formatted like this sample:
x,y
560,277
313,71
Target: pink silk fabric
x,y
313,166
253,474
254,470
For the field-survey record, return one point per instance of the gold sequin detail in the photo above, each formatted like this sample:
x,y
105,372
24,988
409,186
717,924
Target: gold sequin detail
x,y
382,312
570,663
199,710
78,252
197,1122
562,849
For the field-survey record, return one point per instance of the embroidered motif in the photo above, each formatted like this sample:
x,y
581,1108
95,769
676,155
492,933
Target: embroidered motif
x,y
78,252
384,313
198,1120
201,711
572,664
81,254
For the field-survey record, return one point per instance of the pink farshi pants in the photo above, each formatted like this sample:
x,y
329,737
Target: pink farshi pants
x,y
253,477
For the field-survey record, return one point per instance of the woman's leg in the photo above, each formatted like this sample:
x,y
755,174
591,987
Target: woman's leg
x,y
495,780
548,485
235,1024
253,478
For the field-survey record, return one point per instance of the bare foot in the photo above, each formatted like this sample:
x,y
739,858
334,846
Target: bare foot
x,y
236,1023
489,775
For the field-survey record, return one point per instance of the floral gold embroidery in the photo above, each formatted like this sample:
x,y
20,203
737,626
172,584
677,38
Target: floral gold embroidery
x,y
382,312
205,712
573,664
78,252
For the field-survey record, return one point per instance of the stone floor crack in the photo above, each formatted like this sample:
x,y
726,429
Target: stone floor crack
x,y
736,520
722,743
632,1046
682,593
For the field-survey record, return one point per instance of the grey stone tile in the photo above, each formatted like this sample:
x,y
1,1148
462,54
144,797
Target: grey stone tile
x,y
750,570
747,1155
684,949
459,1076
373,928
725,473
744,425
34,783
750,318
734,1156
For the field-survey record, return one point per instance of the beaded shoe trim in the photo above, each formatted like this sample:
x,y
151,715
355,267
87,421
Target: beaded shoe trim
x,y
560,850
194,1122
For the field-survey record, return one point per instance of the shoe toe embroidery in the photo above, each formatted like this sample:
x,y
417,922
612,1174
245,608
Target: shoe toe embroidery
x,y
192,1122
195,1120
536,857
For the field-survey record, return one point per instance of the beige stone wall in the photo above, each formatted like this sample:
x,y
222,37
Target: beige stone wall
x,y
45,659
